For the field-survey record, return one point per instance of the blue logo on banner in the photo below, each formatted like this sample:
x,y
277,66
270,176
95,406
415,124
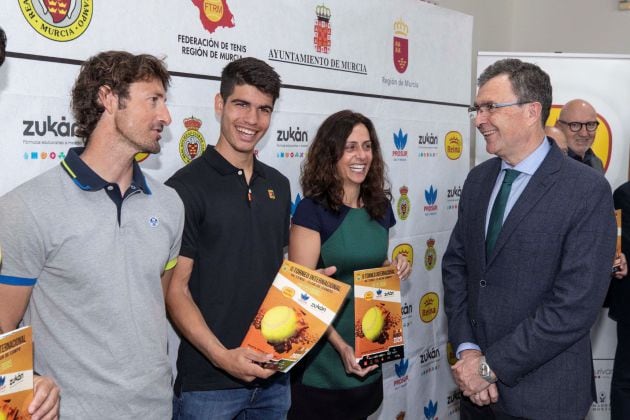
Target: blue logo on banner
x,y
401,368
430,195
400,139
295,203
431,410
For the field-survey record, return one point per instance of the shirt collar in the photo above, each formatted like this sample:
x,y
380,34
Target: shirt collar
x,y
531,163
218,162
588,155
86,179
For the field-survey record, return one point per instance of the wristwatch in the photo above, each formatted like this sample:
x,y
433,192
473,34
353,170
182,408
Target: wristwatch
x,y
485,372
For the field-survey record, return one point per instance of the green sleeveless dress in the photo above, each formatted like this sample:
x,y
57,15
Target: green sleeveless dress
x,y
351,241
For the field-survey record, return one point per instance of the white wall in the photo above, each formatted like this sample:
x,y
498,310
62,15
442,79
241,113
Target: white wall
x,y
576,26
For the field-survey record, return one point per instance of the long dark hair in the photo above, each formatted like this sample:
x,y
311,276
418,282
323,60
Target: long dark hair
x,y
320,180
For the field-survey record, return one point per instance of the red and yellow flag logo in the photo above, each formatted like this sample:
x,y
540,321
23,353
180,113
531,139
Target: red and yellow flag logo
x,y
214,14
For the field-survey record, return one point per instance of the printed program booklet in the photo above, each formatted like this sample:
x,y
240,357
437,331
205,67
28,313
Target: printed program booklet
x,y
16,373
377,316
298,308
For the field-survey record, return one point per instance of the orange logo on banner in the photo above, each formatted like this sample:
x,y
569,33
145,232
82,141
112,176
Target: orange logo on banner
x,y
602,145
214,14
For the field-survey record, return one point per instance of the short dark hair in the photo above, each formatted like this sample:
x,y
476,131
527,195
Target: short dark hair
x,y
3,45
116,70
529,82
250,71
320,179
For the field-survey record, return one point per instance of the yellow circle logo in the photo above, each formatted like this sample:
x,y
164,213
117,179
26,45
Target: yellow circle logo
x,y
58,20
141,156
288,292
450,354
368,295
429,305
406,250
213,10
602,145
453,145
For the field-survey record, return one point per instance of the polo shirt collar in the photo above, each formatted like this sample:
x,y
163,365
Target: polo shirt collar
x,y
88,180
221,165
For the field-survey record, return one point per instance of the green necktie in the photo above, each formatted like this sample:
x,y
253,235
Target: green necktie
x,y
498,210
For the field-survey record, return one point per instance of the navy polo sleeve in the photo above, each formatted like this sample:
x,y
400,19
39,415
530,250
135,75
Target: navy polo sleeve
x,y
307,215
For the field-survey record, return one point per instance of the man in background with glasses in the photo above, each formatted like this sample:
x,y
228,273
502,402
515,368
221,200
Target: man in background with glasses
x,y
524,268
578,122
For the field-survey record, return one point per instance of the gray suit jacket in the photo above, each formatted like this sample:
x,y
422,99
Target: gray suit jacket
x,y
531,303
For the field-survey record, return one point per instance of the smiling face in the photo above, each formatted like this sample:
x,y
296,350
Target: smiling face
x,y
245,116
504,129
141,117
354,164
577,111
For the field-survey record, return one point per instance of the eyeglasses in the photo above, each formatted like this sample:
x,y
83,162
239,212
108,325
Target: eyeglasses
x,y
490,108
577,126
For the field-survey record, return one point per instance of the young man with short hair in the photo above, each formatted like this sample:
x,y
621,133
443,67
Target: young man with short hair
x,y
237,225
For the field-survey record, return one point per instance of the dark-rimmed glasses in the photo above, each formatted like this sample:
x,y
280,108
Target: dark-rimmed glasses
x,y
576,126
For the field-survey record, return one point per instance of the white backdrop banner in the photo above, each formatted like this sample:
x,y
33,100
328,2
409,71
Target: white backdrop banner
x,y
403,63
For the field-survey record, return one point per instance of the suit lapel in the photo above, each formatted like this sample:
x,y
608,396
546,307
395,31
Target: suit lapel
x,y
543,179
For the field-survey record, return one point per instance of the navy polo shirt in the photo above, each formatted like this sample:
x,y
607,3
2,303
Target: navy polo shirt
x,y
236,234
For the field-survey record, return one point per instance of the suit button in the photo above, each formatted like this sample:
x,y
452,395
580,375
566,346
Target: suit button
x,y
482,283
473,322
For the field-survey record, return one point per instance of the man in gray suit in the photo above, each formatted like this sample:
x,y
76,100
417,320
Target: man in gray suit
x,y
523,272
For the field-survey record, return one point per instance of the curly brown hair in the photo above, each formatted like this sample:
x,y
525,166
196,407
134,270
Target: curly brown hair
x,y
116,70
320,179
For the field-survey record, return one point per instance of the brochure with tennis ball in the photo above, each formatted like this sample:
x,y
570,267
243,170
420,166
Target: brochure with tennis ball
x,y
298,308
16,373
378,335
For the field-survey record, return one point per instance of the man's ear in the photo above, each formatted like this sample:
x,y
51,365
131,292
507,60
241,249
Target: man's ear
x,y
218,104
534,110
107,98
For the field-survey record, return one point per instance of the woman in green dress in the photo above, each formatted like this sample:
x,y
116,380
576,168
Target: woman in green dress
x,y
343,221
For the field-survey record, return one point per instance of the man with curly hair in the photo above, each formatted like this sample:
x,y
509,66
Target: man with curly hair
x,y
89,246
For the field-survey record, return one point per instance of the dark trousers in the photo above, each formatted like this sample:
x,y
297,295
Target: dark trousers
x,y
470,411
620,385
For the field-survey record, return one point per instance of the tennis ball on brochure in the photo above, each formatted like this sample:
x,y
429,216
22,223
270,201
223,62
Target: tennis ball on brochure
x,y
372,323
279,324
